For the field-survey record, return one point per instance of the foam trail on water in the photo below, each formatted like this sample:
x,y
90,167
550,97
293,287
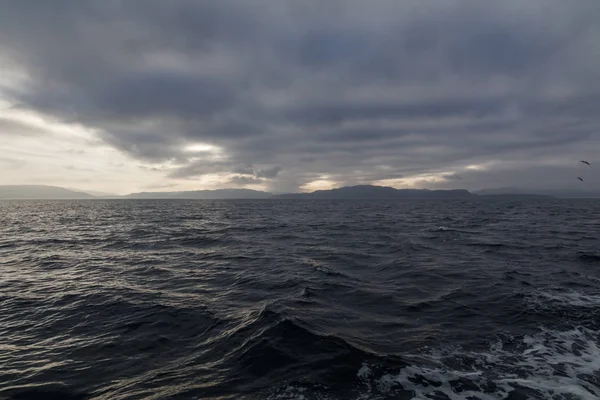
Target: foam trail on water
x,y
572,299
549,364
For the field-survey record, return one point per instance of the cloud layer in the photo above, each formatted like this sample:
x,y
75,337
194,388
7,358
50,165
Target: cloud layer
x,y
281,94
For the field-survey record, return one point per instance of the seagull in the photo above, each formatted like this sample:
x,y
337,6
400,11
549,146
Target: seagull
x,y
585,162
580,179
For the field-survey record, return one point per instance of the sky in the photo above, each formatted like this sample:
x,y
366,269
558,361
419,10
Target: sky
x,y
154,95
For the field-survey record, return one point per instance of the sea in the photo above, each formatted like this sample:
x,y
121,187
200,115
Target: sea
x,y
300,299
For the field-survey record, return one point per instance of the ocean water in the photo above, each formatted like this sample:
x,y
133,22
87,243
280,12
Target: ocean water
x,y
478,299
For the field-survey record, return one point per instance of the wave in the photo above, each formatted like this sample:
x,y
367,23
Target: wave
x,y
444,228
549,364
541,370
546,365
569,299
320,267
49,391
157,243
589,257
498,244
282,344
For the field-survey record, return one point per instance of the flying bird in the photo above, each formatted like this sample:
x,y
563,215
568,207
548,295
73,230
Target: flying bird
x,y
580,179
585,162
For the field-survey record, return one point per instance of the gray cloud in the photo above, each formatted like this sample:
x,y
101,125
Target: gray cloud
x,y
268,172
534,177
198,168
244,180
13,163
161,186
76,168
16,128
352,91
75,151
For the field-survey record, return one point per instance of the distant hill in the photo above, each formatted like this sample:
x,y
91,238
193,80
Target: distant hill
x,y
203,194
365,192
516,196
562,193
40,192
100,194
379,192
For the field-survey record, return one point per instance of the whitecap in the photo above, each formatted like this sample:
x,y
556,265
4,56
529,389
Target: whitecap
x,y
551,364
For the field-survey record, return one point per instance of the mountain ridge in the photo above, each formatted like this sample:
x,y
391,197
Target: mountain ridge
x,y
41,192
203,194
557,193
378,192
47,192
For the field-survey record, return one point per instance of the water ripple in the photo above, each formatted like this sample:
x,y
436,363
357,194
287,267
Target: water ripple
x,y
299,299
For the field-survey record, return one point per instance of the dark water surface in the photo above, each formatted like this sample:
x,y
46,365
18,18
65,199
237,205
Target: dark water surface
x,y
482,299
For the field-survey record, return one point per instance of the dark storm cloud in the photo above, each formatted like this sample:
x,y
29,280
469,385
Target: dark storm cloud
x,y
353,91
